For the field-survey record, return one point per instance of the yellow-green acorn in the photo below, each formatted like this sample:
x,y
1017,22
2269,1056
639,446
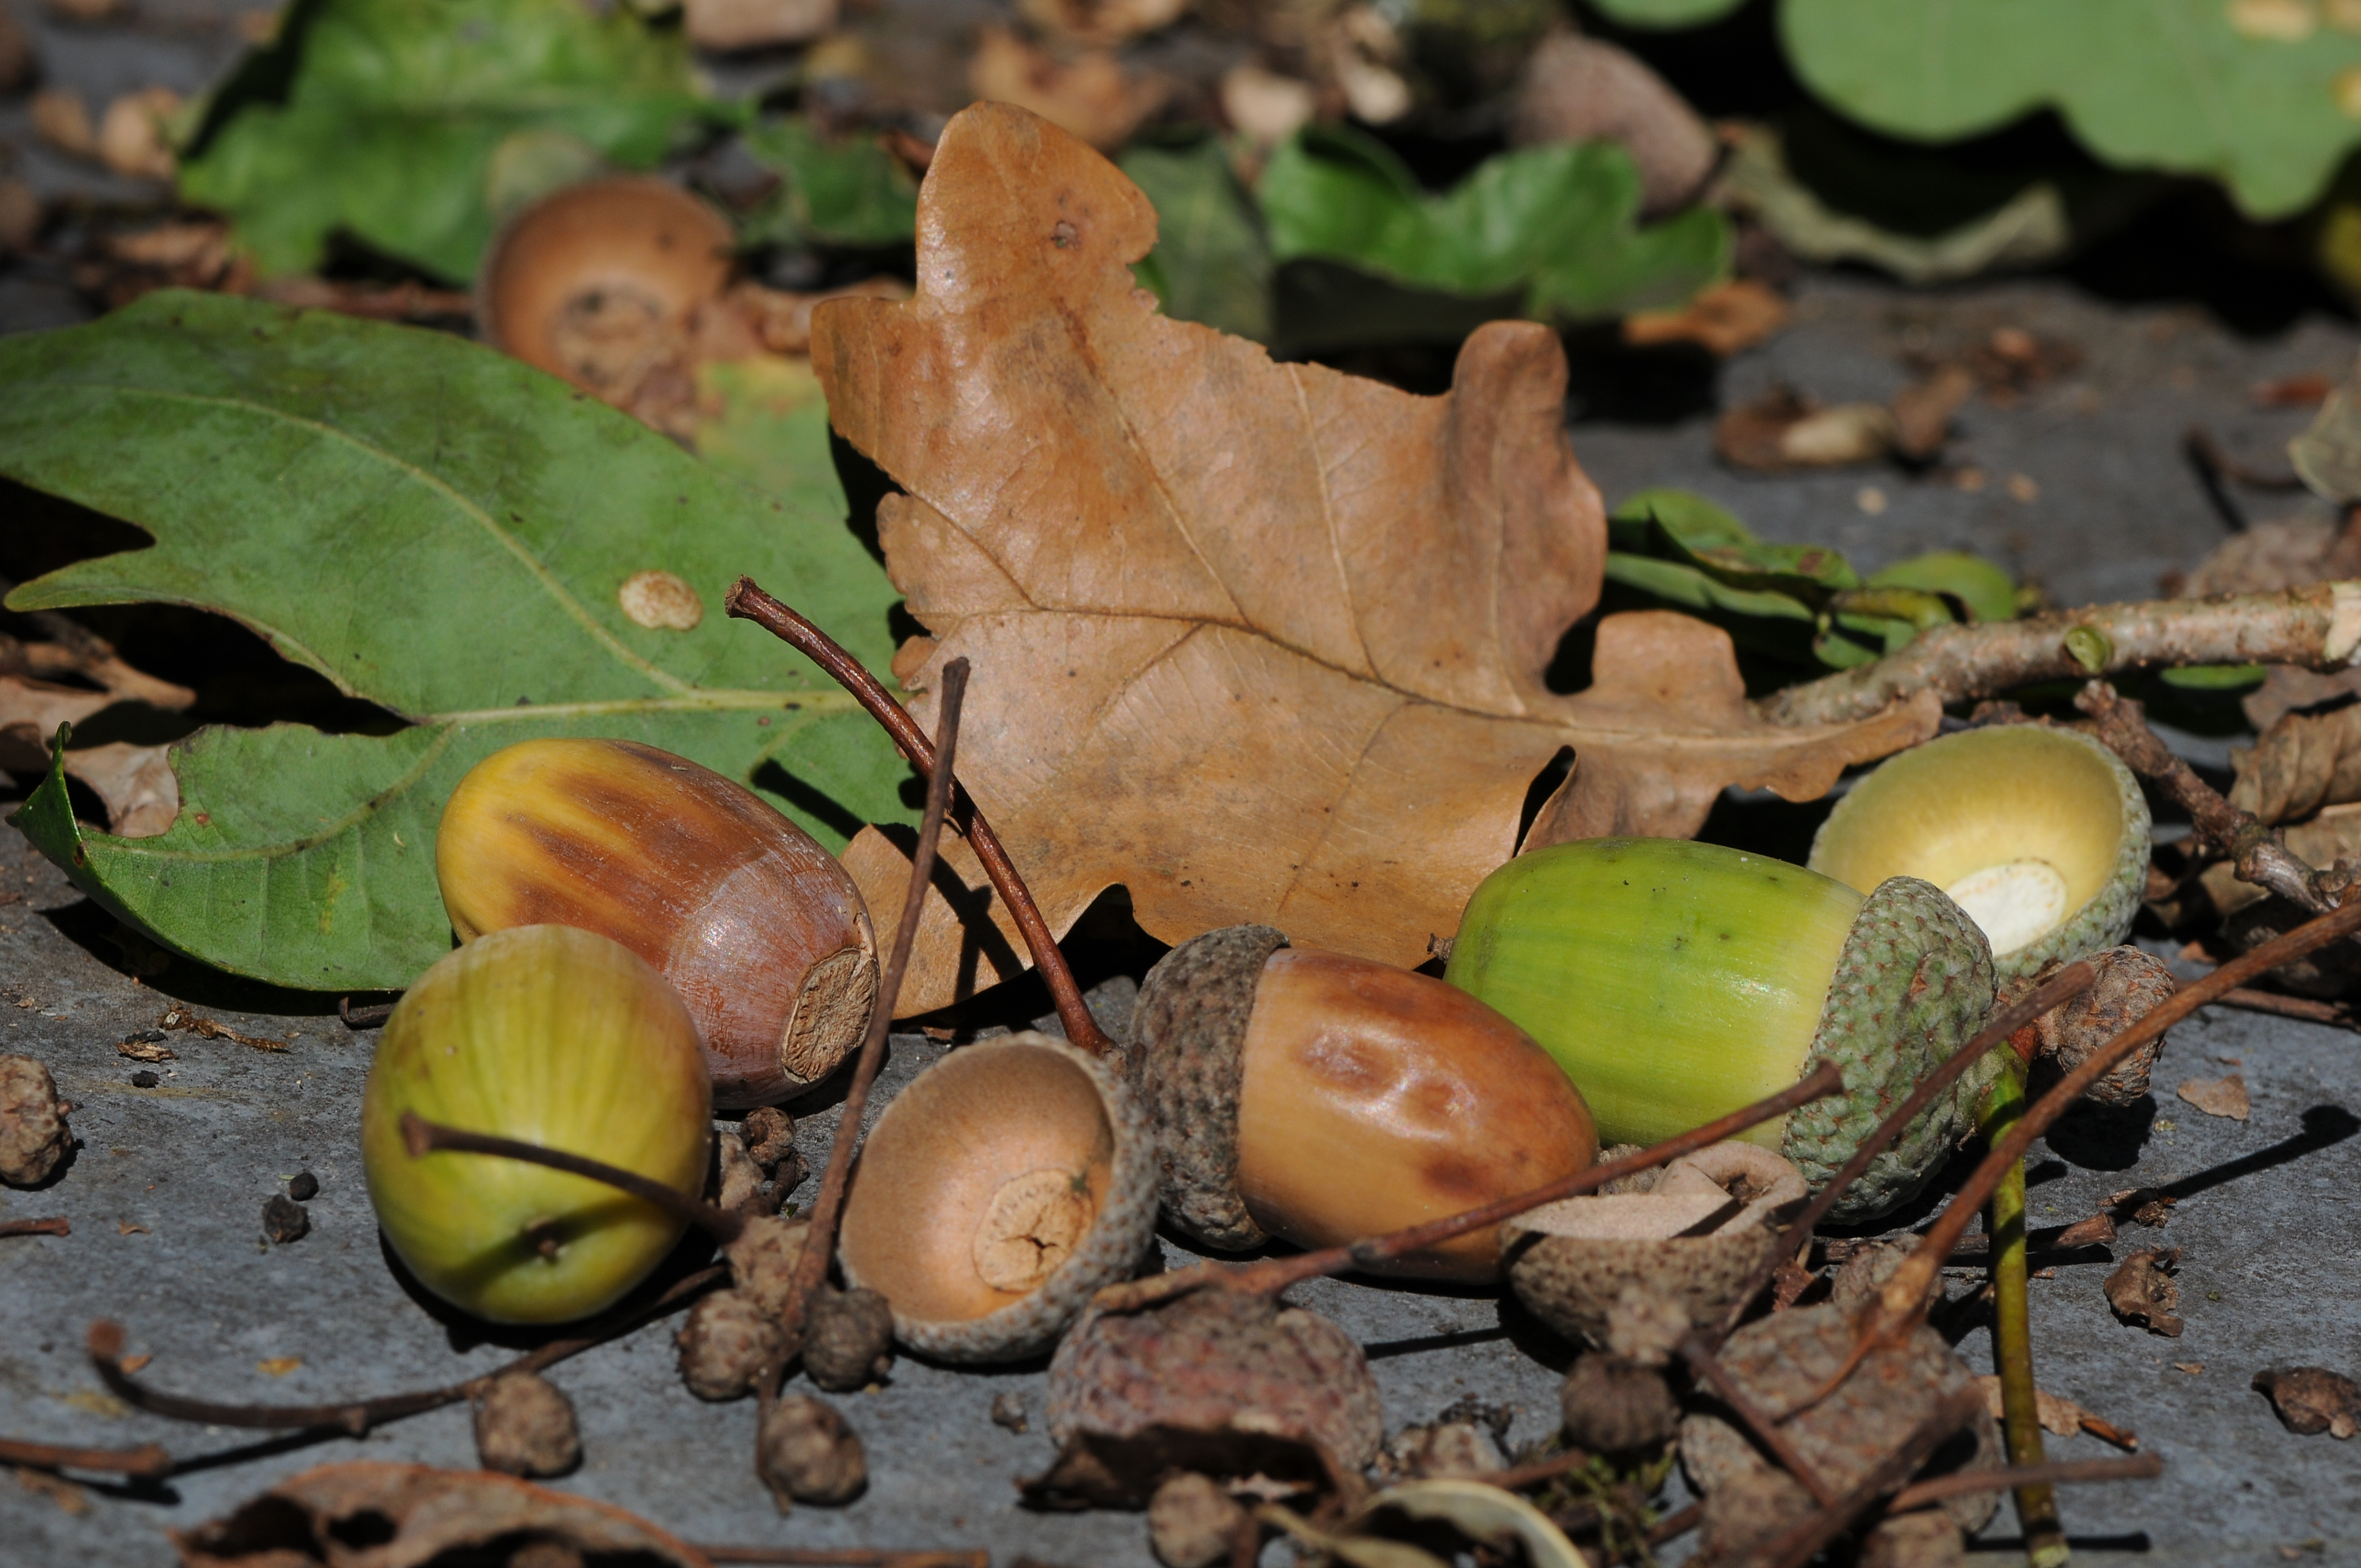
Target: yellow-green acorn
x,y
1677,981
557,1036
2041,834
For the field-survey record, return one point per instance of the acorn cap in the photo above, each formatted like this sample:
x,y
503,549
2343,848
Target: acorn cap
x,y
1567,1266
2040,833
1188,1030
1913,984
1011,1180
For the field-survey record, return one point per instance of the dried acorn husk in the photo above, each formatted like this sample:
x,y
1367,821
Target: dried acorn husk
x,y
525,1426
2132,983
1677,981
34,1136
757,926
1223,1383
1781,1360
2039,834
1007,1183
1319,1099
1635,1272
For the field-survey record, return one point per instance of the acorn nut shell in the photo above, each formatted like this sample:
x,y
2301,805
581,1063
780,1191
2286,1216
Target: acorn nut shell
x,y
759,928
1008,1182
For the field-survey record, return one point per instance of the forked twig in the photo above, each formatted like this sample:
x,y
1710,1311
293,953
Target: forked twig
x,y
420,1137
1273,1275
828,1207
748,602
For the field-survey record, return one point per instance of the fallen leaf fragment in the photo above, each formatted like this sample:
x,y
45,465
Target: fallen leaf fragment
x,y
2309,1399
132,1364
1259,641
1782,431
131,135
2192,1367
1923,410
2141,1290
1093,97
2060,1416
2218,1096
56,1488
127,1228
147,1046
279,1366
61,119
1727,319
725,24
1106,22
2301,763
2149,1206
182,1019
314,1518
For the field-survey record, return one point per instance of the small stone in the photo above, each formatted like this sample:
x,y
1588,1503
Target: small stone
x,y
524,1426
848,1339
1612,1404
304,1188
808,1453
284,1220
1192,1523
1445,1448
145,1080
1748,1510
1008,1411
724,1345
2141,1290
2312,1399
33,1133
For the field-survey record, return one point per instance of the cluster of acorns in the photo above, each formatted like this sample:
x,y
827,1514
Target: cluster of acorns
x,y
644,940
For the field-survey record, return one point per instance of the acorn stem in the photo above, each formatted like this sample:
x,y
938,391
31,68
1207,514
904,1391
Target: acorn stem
x,y
2037,1502
421,1136
2060,988
1904,1302
828,1206
746,601
1272,1275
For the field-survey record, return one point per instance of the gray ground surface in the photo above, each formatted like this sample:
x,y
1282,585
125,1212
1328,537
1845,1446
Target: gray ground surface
x,y
166,1193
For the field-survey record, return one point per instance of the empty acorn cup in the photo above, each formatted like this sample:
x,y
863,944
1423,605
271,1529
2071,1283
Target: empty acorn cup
x,y
1674,1257
2039,834
1000,1189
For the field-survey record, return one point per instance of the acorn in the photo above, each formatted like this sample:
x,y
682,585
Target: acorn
x,y
1007,1183
555,1036
2039,834
757,926
1677,981
1319,1099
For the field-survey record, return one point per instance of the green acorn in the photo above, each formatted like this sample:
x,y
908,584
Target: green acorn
x,y
2041,834
1675,981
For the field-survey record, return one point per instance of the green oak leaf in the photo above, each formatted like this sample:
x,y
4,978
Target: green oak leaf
x,y
1983,589
1211,263
2262,97
1666,13
442,531
848,192
1557,222
401,122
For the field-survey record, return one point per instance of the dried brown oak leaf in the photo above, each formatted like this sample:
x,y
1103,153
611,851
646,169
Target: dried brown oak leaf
x,y
2312,1399
2141,1290
371,1514
1261,642
2218,1096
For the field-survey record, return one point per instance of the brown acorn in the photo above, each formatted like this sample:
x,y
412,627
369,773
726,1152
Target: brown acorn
x,y
997,1193
759,929
1320,1098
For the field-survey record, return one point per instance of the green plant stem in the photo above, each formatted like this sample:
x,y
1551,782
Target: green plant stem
x,y
2037,1501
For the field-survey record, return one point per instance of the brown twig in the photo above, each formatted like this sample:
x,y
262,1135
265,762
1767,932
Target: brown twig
x,y
1904,1301
358,1417
2065,985
2317,627
54,1225
845,1557
1918,1495
1273,1275
147,1459
2303,1007
1798,1544
1707,1366
358,1019
748,602
827,1208
2254,850
422,1137
1519,1476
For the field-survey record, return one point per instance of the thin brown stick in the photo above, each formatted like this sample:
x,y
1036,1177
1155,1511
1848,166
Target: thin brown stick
x,y
422,1137
2317,627
53,1225
827,1208
2253,849
1273,1275
2208,454
2303,1007
1904,1301
1798,1544
2065,985
1519,1476
1918,1495
845,1557
1707,1366
1672,1525
748,602
359,1416
147,1459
